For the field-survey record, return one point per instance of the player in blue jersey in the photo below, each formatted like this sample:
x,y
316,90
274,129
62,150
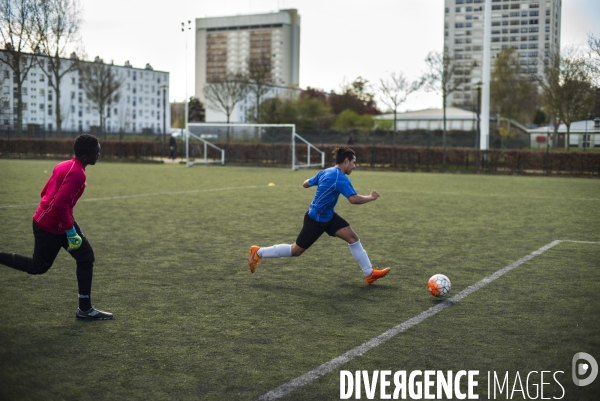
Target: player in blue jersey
x,y
321,217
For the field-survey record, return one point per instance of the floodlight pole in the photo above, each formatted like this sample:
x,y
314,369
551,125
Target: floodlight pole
x,y
484,143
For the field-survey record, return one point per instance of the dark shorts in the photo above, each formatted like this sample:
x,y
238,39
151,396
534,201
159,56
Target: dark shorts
x,y
312,229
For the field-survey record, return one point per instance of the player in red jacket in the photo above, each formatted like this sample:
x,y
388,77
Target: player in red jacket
x,y
54,226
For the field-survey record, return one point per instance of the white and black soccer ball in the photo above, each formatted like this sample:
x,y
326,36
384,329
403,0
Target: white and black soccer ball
x,y
439,285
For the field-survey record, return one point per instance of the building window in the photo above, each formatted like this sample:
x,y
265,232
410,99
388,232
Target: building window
x,y
533,22
534,13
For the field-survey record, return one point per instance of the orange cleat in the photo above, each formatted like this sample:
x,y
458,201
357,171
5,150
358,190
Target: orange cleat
x,y
254,258
377,274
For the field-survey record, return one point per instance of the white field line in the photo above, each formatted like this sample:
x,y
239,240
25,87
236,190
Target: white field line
x,y
376,341
511,195
109,198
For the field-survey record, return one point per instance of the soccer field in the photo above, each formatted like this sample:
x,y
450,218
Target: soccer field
x,y
192,323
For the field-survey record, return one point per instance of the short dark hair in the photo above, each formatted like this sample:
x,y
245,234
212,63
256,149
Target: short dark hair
x,y
340,154
85,144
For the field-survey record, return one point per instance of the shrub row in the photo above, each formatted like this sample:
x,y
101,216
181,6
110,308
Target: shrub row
x,y
370,156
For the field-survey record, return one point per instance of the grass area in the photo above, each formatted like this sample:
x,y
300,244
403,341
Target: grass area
x,y
191,322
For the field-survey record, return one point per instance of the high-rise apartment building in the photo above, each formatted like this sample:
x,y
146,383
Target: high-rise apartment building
x,y
531,27
229,45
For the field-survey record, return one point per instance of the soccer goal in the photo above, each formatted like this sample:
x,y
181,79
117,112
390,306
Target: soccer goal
x,y
209,133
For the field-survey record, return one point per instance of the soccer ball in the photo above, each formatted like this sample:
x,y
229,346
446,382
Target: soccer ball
x,y
439,285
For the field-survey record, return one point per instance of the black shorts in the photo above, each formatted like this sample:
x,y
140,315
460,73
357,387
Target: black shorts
x,y
312,229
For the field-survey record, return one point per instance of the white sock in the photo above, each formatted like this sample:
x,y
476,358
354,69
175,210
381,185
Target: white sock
x,y
275,251
361,257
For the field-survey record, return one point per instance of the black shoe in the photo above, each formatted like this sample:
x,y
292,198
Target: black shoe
x,y
93,314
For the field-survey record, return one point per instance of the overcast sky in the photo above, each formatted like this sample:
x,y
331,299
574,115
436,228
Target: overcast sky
x,y
339,39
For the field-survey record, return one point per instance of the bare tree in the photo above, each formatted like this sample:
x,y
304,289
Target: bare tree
x,y
224,95
259,80
17,20
57,29
101,85
511,93
567,87
594,43
445,76
395,91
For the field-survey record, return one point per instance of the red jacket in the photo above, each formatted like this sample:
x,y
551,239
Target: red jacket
x,y
59,196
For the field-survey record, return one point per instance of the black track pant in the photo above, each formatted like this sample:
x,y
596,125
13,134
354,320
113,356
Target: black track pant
x,y
47,245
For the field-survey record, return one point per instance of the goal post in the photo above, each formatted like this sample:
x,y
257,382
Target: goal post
x,y
201,136
197,147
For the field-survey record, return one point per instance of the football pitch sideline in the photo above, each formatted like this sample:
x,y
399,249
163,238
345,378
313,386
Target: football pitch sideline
x,y
191,322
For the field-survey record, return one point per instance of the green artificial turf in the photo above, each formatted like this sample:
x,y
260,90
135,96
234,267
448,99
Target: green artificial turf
x,y
191,322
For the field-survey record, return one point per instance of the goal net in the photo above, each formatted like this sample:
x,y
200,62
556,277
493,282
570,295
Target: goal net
x,y
202,139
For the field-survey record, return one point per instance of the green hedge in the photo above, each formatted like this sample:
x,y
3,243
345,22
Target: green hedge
x,y
368,156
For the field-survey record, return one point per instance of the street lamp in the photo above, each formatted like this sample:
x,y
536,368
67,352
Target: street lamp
x,y
185,101
477,138
164,88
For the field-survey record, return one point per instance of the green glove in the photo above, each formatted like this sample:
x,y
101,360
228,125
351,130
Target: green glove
x,y
74,239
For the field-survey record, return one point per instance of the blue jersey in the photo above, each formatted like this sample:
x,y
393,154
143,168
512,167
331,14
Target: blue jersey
x,y
331,183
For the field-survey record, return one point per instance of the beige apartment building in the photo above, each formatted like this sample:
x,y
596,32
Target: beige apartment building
x,y
231,44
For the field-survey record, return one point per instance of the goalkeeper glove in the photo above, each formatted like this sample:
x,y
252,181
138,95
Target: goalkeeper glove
x,y
74,239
